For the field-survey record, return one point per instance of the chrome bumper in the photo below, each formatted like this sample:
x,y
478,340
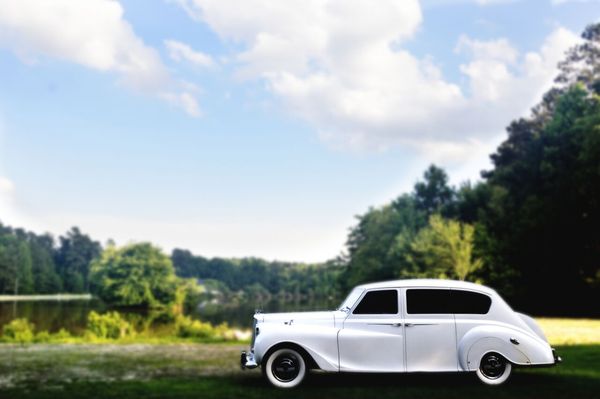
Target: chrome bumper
x,y
247,361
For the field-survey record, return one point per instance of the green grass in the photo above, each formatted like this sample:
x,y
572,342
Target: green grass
x,y
211,371
188,369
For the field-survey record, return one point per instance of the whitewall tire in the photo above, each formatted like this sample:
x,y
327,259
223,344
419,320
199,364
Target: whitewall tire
x,y
285,368
493,369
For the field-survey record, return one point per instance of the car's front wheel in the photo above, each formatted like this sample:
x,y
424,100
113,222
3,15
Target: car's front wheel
x,y
494,369
285,368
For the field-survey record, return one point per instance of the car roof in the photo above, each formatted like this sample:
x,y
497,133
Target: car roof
x,y
423,282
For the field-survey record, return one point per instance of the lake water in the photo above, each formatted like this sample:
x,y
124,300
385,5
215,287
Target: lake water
x,y
72,315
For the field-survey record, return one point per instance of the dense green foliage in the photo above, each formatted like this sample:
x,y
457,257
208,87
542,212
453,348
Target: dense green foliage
x,y
444,249
115,326
18,330
259,277
186,327
136,275
31,263
109,326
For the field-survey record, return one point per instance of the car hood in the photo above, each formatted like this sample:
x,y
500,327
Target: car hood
x,y
298,318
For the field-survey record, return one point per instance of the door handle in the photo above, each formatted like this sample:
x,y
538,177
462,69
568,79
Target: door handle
x,y
420,324
396,324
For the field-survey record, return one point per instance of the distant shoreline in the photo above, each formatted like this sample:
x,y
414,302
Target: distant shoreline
x,y
51,297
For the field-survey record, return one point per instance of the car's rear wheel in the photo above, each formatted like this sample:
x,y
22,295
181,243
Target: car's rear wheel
x,y
494,369
285,368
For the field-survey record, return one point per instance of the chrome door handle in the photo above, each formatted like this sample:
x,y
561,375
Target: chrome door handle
x,y
420,324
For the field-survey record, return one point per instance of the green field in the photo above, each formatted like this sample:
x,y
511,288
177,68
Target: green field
x,y
212,371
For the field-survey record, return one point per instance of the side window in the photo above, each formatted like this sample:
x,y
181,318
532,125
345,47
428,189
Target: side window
x,y
378,302
427,301
467,302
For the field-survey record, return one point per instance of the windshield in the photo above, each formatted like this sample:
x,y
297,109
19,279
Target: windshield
x,y
351,299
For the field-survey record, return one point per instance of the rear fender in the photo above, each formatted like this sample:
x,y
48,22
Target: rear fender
x,y
517,347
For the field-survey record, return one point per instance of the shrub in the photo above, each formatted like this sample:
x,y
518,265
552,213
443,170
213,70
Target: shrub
x,y
186,327
42,337
62,334
108,326
19,330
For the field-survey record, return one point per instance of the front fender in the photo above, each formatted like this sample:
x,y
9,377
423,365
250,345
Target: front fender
x,y
319,342
526,349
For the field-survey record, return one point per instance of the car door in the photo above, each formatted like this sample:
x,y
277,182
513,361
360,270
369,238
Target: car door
x,y
429,330
372,339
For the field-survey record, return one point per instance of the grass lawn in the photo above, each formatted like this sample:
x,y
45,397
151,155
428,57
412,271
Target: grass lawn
x,y
212,371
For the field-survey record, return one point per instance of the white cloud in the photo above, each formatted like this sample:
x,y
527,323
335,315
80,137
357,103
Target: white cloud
x,y
182,52
342,66
92,33
185,101
499,49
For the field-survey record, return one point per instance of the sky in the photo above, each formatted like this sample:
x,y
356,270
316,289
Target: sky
x,y
257,127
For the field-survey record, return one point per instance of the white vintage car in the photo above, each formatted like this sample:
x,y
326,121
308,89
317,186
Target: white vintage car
x,y
401,326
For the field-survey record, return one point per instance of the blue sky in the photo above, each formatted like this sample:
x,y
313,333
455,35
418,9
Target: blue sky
x,y
256,128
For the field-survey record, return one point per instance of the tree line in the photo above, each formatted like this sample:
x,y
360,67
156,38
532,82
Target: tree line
x,y
75,263
529,228
32,263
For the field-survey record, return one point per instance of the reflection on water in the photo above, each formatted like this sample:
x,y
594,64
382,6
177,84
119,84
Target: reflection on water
x,y
51,315
72,315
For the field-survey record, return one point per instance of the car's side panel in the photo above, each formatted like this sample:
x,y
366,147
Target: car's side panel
x,y
372,344
430,343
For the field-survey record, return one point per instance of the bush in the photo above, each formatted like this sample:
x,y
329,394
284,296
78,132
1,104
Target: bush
x,y
62,334
186,327
108,326
19,330
42,337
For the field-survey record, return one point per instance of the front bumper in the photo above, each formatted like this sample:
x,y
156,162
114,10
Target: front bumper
x,y
247,361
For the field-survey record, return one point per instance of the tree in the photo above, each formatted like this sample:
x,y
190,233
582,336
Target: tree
x,y
25,273
73,259
137,275
444,249
582,64
433,193
45,278
9,264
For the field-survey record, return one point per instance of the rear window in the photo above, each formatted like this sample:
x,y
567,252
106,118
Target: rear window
x,y
445,301
378,302
467,302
